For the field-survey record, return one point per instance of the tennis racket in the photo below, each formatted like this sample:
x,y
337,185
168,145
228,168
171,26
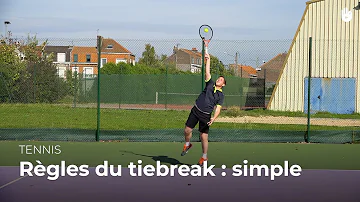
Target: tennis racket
x,y
206,34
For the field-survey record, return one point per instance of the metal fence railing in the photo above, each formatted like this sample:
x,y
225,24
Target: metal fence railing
x,y
57,92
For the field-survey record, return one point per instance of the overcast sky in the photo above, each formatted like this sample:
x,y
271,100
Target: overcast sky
x,y
153,19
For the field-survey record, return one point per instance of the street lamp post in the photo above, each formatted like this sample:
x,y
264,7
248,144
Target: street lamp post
x,y
6,24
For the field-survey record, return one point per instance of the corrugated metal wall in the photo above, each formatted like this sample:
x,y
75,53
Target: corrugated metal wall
x,y
336,50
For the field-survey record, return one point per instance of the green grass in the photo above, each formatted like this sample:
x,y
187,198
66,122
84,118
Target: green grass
x,y
308,156
54,116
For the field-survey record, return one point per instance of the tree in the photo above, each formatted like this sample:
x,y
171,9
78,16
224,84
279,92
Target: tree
x,y
12,70
31,79
149,57
218,68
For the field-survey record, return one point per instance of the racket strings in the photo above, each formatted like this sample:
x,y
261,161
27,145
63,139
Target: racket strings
x,y
206,32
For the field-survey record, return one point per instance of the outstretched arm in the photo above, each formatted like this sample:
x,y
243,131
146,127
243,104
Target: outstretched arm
x,y
207,67
216,114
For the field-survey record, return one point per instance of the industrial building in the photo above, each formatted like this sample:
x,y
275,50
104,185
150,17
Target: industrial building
x,y
334,28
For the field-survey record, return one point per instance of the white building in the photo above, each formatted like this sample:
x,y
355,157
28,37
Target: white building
x,y
334,27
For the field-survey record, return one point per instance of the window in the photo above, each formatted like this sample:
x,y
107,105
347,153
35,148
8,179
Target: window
x,y
61,72
193,60
75,57
88,58
103,61
88,72
110,46
120,60
61,57
75,70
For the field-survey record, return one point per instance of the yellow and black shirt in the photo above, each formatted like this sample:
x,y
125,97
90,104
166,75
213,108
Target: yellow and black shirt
x,y
209,98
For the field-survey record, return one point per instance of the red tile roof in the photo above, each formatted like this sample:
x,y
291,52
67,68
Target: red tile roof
x,y
198,54
116,47
247,69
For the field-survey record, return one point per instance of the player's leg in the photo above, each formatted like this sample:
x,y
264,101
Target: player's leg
x,y
189,125
188,133
204,136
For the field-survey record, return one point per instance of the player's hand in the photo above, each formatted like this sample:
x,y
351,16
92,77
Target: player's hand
x,y
211,121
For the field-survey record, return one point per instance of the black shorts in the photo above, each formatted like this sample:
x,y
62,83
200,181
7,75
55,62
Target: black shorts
x,y
196,116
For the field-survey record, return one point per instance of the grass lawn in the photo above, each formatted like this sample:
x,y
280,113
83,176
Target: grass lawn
x,y
308,156
53,116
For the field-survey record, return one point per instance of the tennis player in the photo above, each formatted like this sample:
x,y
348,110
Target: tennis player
x,y
210,99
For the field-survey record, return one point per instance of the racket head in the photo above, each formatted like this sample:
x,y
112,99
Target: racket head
x,y
206,32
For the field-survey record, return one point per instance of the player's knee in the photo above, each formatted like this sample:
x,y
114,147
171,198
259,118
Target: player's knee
x,y
204,136
187,130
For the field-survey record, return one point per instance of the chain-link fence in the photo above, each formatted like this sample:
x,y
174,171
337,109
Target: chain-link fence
x,y
146,88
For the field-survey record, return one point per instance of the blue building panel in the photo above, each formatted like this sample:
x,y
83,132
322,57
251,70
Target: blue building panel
x,y
334,95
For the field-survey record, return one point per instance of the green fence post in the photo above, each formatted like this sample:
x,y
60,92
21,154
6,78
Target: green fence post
x,y
119,91
85,87
264,88
203,65
307,139
34,83
166,87
99,39
75,88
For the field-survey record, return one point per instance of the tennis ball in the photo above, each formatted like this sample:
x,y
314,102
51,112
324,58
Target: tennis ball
x,y
206,30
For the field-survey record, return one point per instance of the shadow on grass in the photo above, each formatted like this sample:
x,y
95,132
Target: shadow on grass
x,y
162,159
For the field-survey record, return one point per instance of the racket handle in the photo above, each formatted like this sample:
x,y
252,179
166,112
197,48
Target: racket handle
x,y
206,50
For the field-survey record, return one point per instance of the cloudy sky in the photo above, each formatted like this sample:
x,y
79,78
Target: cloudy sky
x,y
153,19
174,20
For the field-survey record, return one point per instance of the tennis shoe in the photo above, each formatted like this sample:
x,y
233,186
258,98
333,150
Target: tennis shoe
x,y
186,149
201,161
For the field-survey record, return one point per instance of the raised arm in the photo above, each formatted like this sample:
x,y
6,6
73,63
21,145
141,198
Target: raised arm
x,y
207,67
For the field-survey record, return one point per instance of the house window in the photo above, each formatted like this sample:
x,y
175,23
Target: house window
x,y
110,46
103,61
88,58
88,72
120,60
61,57
75,57
193,60
61,72
198,60
75,70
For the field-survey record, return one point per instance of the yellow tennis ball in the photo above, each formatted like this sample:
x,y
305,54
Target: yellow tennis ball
x,y
206,30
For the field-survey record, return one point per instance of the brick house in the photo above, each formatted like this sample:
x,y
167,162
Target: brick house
x,y
186,60
62,55
113,52
84,60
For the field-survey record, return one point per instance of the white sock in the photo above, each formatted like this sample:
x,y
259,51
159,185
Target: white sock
x,y
187,144
204,156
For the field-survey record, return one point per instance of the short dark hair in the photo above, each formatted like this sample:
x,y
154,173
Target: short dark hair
x,y
223,78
